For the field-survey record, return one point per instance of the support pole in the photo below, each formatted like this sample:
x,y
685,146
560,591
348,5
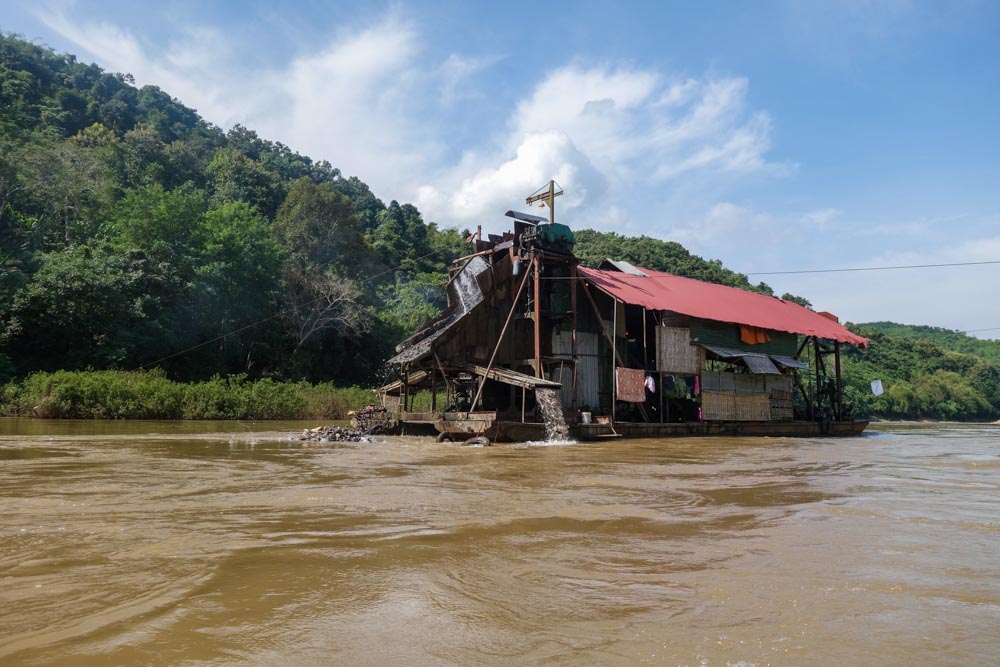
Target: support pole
x,y
604,329
489,366
645,348
614,350
572,306
434,391
819,404
659,374
406,389
538,316
444,376
840,388
614,368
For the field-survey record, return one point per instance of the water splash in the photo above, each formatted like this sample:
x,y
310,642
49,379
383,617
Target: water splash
x,y
550,405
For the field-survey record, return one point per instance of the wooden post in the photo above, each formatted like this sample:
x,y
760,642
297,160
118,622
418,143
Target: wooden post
x,y
489,366
524,400
819,405
434,391
538,315
840,389
645,349
659,374
597,314
614,367
406,389
572,305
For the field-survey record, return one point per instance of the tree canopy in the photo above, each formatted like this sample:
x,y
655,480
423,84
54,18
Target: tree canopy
x,y
133,233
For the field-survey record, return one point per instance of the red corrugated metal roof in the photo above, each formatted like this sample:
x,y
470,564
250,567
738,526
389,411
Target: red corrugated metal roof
x,y
707,301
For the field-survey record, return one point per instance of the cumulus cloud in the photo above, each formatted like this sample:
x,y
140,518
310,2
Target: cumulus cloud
x,y
539,157
355,101
600,130
376,104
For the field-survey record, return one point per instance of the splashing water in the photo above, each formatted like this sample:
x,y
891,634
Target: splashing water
x,y
551,408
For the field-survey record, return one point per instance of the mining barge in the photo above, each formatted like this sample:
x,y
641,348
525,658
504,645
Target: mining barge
x,y
621,350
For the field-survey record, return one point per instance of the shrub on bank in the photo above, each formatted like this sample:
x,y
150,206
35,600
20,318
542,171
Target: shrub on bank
x,y
150,395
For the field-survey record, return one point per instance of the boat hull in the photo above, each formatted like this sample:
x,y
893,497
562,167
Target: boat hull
x,y
472,425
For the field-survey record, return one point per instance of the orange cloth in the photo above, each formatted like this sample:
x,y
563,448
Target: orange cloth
x,y
753,335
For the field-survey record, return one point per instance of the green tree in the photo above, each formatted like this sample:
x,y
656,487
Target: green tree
x,y
87,305
233,177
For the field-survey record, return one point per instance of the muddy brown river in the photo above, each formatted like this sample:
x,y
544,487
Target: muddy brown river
x,y
152,543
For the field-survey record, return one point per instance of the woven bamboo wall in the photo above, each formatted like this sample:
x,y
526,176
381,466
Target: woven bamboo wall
x,y
718,406
753,407
730,406
675,353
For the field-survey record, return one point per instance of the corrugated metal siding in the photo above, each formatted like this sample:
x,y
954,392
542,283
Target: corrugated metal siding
x,y
708,332
587,380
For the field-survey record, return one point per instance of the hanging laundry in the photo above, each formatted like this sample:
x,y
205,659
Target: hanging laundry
x,y
753,335
697,385
631,385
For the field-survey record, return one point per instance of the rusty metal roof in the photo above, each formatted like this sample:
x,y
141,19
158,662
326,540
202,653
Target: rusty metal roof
x,y
662,291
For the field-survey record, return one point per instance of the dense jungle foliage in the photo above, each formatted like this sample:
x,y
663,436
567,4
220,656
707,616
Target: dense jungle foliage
x,y
134,233
929,377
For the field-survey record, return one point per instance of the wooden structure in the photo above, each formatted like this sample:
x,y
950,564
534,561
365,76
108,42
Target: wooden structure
x,y
630,351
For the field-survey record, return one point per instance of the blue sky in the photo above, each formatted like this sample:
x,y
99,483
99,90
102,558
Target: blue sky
x,y
773,136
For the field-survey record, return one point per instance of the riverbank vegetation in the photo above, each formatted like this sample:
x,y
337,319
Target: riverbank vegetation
x,y
134,234
151,395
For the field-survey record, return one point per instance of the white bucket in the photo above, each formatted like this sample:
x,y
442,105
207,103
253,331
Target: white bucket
x,y
585,417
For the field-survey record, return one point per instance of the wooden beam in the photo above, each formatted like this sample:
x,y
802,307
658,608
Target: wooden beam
x,y
840,389
572,305
489,366
538,315
604,329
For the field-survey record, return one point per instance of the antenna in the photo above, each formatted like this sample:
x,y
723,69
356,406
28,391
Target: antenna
x,y
546,195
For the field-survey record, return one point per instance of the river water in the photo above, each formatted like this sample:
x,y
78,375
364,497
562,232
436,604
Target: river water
x,y
232,544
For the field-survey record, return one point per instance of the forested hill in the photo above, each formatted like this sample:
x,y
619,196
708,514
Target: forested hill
x,y
947,339
944,375
132,232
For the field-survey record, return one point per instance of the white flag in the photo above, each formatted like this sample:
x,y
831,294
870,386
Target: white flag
x,y
877,387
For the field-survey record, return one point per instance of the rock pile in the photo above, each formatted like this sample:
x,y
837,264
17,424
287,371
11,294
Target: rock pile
x,y
333,434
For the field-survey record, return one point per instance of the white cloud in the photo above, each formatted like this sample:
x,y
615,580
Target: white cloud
x,y
540,156
350,102
609,136
376,105
821,218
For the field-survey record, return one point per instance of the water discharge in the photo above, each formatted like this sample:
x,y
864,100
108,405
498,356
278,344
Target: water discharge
x,y
152,543
550,405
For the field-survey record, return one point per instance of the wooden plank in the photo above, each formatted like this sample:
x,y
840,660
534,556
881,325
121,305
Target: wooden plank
x,y
508,376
